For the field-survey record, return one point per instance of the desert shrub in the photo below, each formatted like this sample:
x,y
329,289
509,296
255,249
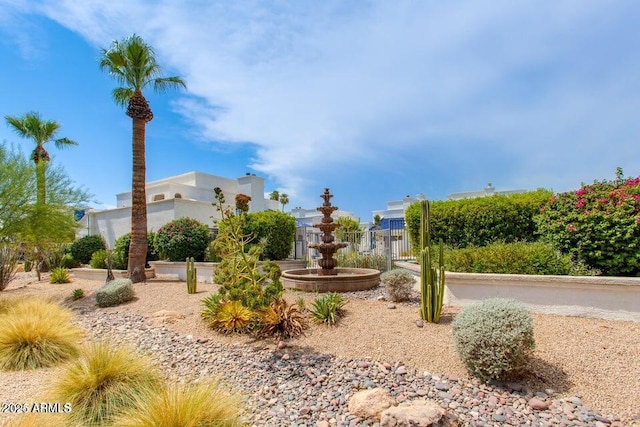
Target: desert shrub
x,y
9,255
84,247
76,294
115,292
281,320
54,256
274,230
245,289
480,221
35,333
121,250
327,308
356,260
494,338
398,284
509,258
59,275
599,223
104,381
177,405
99,259
68,261
181,239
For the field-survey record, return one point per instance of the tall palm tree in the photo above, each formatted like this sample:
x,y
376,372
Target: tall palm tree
x,y
31,126
132,62
284,200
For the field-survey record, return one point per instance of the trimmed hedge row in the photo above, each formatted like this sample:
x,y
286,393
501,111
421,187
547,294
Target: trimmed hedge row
x,y
480,221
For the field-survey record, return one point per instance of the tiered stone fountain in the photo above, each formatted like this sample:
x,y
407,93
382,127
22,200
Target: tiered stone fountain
x,y
328,278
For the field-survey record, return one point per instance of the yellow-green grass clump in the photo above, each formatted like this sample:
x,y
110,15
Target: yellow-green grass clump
x,y
104,381
177,405
35,333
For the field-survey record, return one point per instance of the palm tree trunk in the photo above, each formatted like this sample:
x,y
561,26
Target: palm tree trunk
x,y
138,246
41,182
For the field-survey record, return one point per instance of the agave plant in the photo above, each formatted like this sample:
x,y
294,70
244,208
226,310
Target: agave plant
x,y
232,316
59,275
282,320
328,308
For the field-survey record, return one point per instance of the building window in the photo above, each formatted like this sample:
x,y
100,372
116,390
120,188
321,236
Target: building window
x,y
177,196
158,197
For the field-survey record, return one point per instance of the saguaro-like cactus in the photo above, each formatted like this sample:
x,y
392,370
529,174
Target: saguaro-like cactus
x,y
192,276
431,279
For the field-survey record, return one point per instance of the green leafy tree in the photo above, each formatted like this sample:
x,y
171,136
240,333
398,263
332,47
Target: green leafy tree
x,y
132,62
37,228
274,195
349,231
31,126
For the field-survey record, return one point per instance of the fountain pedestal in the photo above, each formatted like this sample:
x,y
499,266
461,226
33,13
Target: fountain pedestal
x,y
327,247
328,278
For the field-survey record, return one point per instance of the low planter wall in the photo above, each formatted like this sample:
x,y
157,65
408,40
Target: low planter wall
x,y
101,273
178,270
615,298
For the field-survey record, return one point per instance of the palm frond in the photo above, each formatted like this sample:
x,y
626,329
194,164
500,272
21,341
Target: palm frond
x,y
121,95
164,83
64,142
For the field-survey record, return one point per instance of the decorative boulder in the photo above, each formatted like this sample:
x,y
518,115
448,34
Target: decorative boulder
x,y
370,403
417,413
114,292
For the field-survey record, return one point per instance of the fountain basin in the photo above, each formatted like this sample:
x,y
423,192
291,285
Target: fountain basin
x,y
347,280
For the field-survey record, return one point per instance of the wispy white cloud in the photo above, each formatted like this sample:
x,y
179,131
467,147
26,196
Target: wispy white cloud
x,y
543,93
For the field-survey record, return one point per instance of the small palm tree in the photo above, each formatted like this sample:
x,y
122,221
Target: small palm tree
x,y
284,200
31,126
133,64
274,195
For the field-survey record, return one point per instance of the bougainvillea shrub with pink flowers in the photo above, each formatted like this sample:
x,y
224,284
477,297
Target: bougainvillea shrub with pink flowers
x,y
598,223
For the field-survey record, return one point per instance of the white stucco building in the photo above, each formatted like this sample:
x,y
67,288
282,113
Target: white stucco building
x,y
187,195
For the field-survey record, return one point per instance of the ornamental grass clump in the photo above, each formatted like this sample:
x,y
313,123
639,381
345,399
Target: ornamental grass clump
x,y
494,338
178,405
398,284
105,381
35,333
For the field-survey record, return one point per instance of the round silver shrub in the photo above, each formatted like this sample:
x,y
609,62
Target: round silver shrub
x,y
398,284
494,338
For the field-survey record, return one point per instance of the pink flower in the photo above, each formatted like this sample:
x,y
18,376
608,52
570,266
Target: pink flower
x,y
638,220
580,204
571,227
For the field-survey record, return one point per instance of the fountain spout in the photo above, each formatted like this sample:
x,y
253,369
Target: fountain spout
x,y
327,247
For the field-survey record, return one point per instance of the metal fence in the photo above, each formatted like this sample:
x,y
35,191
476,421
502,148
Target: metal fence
x,y
392,242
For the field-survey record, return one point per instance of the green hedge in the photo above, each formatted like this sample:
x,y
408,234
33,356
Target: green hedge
x,y
121,250
182,238
276,230
84,247
480,221
513,258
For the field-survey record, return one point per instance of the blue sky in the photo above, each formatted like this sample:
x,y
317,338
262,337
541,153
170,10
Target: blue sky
x,y
374,99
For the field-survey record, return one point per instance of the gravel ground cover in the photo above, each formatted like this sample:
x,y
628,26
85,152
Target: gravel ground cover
x,y
586,371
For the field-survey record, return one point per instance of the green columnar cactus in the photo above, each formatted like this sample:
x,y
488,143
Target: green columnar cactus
x,y
431,280
192,276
